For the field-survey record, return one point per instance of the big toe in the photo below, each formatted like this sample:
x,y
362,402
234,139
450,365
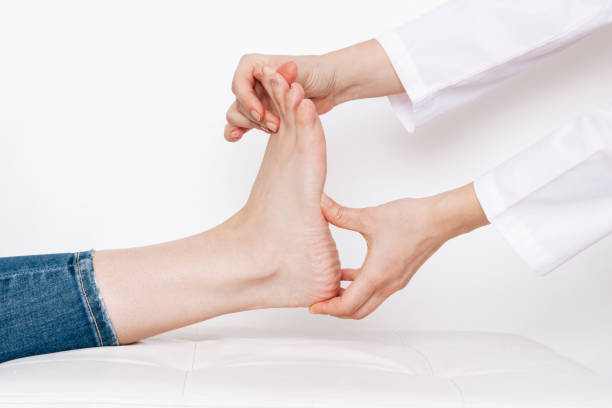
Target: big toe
x,y
311,137
306,115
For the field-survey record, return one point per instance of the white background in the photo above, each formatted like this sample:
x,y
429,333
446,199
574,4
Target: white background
x,y
111,135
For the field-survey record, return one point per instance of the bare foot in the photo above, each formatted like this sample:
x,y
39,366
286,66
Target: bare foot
x,y
277,251
283,212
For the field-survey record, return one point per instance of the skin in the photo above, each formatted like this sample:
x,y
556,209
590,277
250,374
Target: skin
x,y
277,251
328,80
401,235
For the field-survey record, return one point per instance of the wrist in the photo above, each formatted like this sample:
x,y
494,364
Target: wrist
x,y
362,71
343,79
458,212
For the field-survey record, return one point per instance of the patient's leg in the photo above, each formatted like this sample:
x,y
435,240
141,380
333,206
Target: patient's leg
x,y
276,252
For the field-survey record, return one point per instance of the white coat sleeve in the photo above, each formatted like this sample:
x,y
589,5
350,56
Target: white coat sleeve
x,y
464,48
554,199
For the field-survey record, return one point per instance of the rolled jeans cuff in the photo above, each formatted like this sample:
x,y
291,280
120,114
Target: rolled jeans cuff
x,y
51,303
98,316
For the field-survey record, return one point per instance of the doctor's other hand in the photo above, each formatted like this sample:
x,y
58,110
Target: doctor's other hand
x,y
359,71
401,235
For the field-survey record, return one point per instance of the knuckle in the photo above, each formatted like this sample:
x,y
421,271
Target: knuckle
x,y
399,285
248,57
239,108
393,288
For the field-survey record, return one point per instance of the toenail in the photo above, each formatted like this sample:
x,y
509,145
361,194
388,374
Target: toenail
x,y
267,70
271,127
255,115
235,134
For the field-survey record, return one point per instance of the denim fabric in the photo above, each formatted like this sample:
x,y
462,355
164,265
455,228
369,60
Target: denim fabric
x,y
50,303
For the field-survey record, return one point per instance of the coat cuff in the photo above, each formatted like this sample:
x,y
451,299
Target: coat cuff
x,y
554,199
508,223
405,105
459,51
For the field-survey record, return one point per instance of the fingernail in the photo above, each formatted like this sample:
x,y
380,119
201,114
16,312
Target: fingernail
x,y
255,115
311,309
272,127
235,133
327,202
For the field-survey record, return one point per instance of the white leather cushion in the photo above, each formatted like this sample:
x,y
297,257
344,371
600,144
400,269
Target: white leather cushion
x,y
241,368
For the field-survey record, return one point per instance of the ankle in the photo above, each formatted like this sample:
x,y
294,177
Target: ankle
x,y
253,262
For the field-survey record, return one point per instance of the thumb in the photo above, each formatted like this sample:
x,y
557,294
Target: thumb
x,y
343,217
289,71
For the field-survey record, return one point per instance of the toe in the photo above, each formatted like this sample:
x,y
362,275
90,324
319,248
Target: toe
x,y
294,96
310,135
306,113
280,87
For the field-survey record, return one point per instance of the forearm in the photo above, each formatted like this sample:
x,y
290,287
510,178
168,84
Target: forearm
x,y
359,71
161,287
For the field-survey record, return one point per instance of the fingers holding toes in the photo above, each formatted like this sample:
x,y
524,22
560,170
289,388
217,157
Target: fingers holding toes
x,y
279,89
275,85
288,99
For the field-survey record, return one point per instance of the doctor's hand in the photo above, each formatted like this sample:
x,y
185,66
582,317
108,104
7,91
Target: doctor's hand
x,y
401,236
253,108
359,71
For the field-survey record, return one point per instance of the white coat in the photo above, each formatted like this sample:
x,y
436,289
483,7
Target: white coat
x,y
554,199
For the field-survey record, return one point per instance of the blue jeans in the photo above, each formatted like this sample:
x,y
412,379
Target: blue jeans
x,y
50,303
